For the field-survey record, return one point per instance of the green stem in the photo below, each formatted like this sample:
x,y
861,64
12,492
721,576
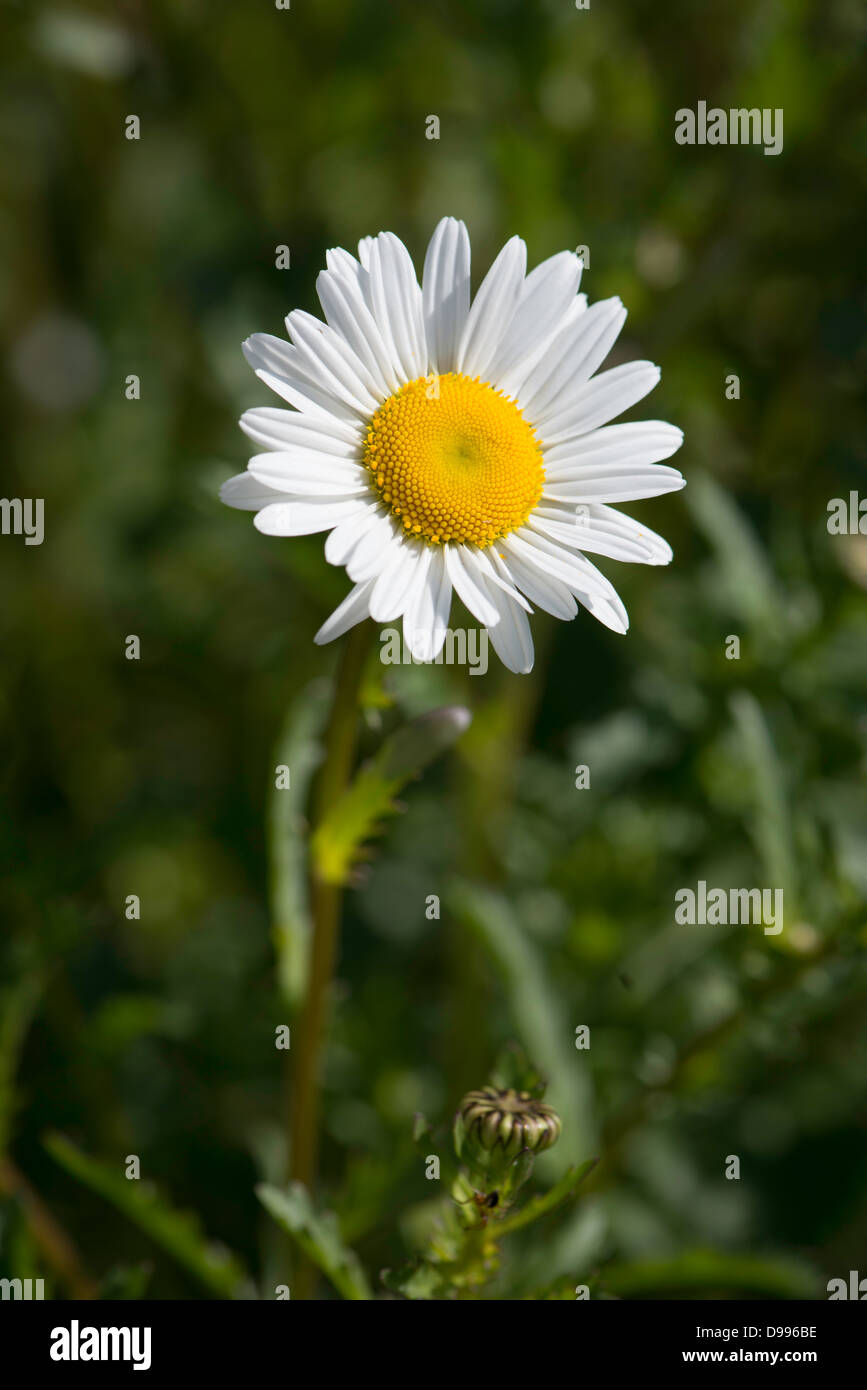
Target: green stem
x,y
341,738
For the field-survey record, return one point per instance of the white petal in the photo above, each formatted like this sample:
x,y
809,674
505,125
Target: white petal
x,y
419,614
325,356
274,428
545,295
608,518
345,537
345,308
426,613
511,637
623,484
494,570
342,262
586,582
441,591
602,531
469,585
374,549
492,309
639,443
352,610
310,474
277,363
303,518
600,400
248,495
571,360
548,593
393,585
446,292
397,304
616,464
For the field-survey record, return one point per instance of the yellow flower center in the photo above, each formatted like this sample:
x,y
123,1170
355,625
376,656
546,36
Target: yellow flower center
x,y
454,459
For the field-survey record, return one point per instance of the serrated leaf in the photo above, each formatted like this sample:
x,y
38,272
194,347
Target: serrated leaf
x,y
317,1234
356,816
176,1232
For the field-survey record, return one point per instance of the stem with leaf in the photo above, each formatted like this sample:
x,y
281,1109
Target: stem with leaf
x,y
341,738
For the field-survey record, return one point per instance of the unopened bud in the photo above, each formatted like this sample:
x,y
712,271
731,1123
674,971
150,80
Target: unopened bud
x,y
492,1127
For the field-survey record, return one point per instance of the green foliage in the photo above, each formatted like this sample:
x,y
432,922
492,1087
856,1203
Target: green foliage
x,y
178,1233
337,841
563,1191
318,1236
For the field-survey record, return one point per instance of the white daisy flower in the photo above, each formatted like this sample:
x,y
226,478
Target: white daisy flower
x,y
456,445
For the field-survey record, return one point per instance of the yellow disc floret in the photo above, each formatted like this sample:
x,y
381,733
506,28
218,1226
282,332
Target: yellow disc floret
x,y
454,459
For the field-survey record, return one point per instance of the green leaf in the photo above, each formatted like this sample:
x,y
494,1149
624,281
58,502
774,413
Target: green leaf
x,y
298,749
416,1280
317,1235
561,1192
176,1232
420,1128
356,816
747,579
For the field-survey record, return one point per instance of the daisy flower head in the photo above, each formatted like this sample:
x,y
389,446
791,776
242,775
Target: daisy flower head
x,y
451,444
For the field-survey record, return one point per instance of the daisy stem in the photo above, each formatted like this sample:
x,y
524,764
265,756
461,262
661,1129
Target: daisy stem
x,y
341,739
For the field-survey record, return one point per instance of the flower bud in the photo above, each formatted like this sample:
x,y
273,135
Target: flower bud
x,y
492,1127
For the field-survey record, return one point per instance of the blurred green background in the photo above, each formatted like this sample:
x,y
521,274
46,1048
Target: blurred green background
x,y
306,127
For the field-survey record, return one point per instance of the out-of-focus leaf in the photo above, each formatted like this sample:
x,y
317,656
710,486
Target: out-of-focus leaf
x,y
416,1280
176,1232
421,1131
298,749
713,1273
318,1236
747,578
514,1070
536,1012
403,755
